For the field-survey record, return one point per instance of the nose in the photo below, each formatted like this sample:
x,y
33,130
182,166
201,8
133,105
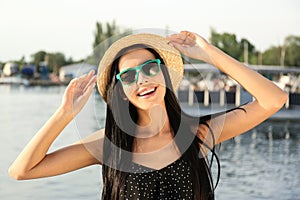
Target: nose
x,y
141,78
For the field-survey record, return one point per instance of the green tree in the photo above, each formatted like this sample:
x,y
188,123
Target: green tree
x,y
38,57
70,61
105,35
271,56
248,52
287,54
21,62
241,50
291,51
1,67
99,35
55,61
226,42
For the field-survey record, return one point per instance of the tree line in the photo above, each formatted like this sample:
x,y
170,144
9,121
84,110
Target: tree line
x,y
287,54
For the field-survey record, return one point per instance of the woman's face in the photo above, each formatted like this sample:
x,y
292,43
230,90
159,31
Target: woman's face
x,y
146,91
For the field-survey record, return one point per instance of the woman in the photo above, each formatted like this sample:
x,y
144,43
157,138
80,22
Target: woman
x,y
149,149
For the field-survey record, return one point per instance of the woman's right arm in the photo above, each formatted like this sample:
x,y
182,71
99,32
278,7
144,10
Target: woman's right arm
x,y
34,162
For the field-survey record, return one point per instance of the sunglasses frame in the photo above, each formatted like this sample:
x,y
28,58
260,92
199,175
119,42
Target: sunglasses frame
x,y
137,69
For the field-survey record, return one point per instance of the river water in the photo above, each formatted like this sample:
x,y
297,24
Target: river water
x,y
261,164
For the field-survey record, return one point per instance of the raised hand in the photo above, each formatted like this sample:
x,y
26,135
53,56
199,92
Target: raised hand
x,y
191,45
77,93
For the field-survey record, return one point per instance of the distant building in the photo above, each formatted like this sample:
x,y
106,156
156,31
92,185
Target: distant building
x,y
44,70
68,72
28,70
10,69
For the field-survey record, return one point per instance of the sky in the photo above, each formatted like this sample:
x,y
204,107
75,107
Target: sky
x,y
68,26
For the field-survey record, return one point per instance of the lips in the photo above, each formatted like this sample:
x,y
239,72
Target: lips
x,y
146,92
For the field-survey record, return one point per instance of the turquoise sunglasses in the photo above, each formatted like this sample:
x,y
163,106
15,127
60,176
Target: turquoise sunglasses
x,y
130,75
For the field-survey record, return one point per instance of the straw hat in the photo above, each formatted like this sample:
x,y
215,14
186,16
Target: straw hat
x,y
169,54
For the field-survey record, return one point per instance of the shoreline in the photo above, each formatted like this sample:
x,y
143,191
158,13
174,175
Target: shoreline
x,y
30,82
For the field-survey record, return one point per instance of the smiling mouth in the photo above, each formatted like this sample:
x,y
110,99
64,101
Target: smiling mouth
x,y
147,92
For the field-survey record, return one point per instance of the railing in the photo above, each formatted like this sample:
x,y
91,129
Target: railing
x,y
222,97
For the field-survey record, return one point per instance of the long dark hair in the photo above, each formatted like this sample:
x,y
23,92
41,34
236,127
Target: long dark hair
x,y
117,142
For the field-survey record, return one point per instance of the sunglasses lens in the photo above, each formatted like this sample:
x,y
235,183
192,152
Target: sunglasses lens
x,y
128,77
150,69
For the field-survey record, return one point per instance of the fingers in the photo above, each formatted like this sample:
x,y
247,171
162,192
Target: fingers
x,y
84,88
183,38
78,86
86,80
89,88
181,41
178,46
91,83
70,88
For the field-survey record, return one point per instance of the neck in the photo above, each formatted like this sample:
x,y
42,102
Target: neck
x,y
152,122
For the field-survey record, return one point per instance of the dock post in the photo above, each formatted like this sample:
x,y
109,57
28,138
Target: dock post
x,y
287,103
191,95
222,97
206,97
238,95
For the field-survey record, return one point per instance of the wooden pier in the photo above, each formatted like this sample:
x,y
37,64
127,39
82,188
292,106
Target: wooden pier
x,y
210,100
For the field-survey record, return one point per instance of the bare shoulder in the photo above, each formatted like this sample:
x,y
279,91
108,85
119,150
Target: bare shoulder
x,y
94,144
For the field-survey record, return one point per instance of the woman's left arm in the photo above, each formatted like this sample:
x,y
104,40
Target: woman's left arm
x,y
268,97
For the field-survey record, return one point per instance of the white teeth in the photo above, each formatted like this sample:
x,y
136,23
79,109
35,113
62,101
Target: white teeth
x,y
147,91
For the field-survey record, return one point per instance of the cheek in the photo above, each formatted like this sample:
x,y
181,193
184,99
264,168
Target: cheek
x,y
159,78
128,90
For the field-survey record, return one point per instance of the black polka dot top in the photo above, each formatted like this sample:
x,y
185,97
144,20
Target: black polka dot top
x,y
171,182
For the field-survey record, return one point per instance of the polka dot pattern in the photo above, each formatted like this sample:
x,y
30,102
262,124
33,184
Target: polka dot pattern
x,y
171,182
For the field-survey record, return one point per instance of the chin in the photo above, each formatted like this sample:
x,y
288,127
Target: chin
x,y
148,103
